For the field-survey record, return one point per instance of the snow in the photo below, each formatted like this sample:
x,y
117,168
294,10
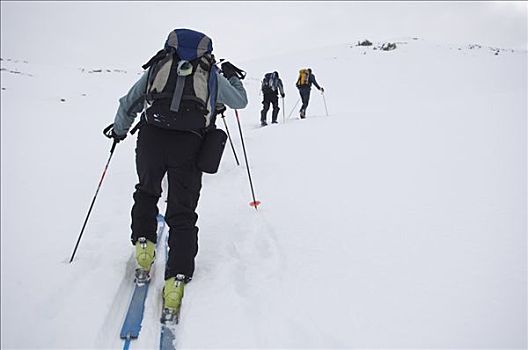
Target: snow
x,y
397,221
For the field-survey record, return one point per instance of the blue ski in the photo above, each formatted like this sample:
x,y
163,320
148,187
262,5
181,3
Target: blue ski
x,y
167,334
167,338
134,317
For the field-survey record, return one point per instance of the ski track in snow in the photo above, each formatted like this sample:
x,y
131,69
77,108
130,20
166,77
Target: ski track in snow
x,y
116,314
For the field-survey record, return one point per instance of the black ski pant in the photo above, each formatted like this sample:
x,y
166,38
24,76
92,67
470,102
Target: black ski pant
x,y
171,152
270,99
305,98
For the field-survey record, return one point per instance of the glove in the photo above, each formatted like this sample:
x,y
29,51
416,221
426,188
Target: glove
x,y
322,90
220,108
229,70
282,95
110,133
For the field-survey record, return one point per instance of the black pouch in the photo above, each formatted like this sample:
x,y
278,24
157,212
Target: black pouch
x,y
211,151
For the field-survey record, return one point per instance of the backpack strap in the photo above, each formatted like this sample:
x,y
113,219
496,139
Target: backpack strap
x,y
178,94
155,58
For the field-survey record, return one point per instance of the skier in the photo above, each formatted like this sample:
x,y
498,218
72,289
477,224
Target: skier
x,y
271,85
304,84
169,140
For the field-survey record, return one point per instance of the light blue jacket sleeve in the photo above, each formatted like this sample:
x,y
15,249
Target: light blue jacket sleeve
x,y
231,92
130,105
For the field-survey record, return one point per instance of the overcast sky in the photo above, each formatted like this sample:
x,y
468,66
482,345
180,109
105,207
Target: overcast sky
x,y
126,34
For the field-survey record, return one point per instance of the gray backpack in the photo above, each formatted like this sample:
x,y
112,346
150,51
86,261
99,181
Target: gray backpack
x,y
182,83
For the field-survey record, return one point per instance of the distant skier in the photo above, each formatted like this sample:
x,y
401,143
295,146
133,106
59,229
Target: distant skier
x,y
177,108
271,85
304,84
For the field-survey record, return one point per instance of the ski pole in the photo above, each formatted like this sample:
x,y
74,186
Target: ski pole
x,y
255,203
296,103
324,100
283,112
93,201
230,140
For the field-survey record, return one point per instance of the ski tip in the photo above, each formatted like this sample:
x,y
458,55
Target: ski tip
x,y
254,204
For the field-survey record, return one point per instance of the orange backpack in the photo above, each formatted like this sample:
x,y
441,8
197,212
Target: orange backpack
x,y
304,75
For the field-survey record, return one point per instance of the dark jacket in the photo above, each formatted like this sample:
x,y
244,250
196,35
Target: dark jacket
x,y
311,80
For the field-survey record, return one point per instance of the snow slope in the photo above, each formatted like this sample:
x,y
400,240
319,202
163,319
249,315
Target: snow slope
x,y
398,220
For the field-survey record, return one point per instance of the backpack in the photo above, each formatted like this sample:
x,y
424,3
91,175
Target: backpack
x,y
182,83
304,76
270,83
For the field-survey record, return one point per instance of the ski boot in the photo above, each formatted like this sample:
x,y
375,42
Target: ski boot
x,y
172,299
302,114
263,123
145,254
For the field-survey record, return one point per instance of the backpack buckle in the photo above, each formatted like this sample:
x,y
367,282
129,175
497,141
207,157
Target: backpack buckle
x,y
184,68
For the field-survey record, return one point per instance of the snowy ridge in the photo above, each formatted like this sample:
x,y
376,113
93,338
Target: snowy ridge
x,y
399,220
